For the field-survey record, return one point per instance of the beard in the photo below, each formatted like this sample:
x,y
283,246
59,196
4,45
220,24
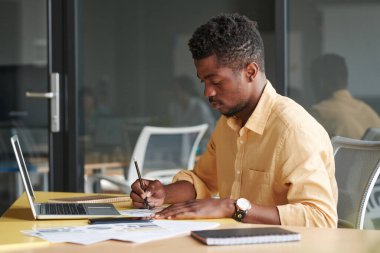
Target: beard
x,y
234,110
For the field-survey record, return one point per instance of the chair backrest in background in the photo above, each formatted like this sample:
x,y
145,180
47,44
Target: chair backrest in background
x,y
357,165
162,151
372,134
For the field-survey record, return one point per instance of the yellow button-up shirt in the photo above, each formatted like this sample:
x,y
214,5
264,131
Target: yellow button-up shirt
x,y
344,115
281,157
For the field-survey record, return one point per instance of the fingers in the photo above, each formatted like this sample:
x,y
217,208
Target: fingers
x,y
138,195
193,209
137,200
146,183
136,186
186,210
153,196
178,216
155,190
149,203
154,186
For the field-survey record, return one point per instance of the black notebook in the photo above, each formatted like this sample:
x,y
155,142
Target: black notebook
x,y
245,236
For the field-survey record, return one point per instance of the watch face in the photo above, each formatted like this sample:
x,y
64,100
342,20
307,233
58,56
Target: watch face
x,y
243,204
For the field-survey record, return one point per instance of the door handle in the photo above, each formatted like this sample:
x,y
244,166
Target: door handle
x,y
54,96
39,95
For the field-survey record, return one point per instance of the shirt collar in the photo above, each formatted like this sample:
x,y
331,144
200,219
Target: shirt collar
x,y
258,119
344,93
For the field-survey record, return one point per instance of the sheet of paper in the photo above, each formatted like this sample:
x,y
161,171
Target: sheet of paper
x,y
131,232
170,228
140,212
68,234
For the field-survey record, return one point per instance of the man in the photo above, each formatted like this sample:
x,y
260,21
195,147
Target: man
x,y
339,112
268,159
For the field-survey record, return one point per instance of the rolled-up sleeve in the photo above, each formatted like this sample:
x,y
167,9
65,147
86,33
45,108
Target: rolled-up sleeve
x,y
307,168
200,187
204,176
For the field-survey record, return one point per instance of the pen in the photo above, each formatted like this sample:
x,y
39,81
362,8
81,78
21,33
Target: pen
x,y
95,221
141,182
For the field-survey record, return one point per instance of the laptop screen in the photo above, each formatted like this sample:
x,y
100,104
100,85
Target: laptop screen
x,y
24,172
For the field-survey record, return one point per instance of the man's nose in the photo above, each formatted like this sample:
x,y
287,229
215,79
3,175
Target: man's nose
x,y
209,91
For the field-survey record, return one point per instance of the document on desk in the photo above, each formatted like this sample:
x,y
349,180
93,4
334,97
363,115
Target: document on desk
x,y
139,232
140,212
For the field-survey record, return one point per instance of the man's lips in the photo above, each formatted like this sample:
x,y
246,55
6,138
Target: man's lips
x,y
215,103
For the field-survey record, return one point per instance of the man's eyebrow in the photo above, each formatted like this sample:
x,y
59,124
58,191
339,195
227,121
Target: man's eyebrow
x,y
206,77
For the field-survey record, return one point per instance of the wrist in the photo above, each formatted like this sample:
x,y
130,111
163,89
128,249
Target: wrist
x,y
229,208
179,191
242,207
165,194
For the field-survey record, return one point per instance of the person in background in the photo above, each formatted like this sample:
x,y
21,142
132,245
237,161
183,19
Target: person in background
x,y
189,109
337,110
268,159
92,110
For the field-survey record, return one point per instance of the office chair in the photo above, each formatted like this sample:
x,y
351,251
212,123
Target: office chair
x,y
372,134
160,152
373,208
357,167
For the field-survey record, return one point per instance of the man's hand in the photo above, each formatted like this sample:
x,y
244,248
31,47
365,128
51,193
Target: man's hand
x,y
199,209
154,193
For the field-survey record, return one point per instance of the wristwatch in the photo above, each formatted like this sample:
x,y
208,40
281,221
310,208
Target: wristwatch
x,y
242,206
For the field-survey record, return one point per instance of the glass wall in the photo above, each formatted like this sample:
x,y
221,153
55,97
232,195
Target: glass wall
x,y
136,70
334,62
333,68
23,67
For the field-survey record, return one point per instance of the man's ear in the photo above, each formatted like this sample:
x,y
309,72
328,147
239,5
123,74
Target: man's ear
x,y
251,70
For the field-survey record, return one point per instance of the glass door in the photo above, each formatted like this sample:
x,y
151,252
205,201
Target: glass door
x,y
23,68
29,95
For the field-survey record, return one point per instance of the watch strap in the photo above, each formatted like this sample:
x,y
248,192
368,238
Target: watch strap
x,y
239,214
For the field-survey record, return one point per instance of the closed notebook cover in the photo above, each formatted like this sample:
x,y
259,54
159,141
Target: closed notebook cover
x,y
91,199
245,236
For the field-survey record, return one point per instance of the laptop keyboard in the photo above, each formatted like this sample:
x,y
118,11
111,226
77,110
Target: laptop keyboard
x,y
57,208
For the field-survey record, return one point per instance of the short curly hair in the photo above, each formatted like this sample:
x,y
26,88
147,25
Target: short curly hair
x,y
233,38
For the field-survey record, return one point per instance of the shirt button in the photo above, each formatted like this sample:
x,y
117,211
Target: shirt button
x,y
238,172
241,141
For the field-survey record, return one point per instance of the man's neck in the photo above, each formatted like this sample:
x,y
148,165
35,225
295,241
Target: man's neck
x,y
255,98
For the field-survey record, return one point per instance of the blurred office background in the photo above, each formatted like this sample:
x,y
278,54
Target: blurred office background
x,y
122,63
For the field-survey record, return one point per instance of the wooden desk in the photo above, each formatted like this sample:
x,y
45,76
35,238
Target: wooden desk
x,y
18,217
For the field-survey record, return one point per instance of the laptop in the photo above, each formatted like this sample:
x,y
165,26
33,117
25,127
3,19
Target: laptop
x,y
56,211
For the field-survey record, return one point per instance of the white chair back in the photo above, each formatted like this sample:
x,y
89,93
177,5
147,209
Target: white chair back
x,y
162,151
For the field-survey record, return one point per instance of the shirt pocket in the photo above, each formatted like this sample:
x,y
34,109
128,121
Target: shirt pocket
x,y
257,177
255,186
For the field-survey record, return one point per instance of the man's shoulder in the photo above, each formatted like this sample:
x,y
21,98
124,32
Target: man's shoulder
x,y
290,112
